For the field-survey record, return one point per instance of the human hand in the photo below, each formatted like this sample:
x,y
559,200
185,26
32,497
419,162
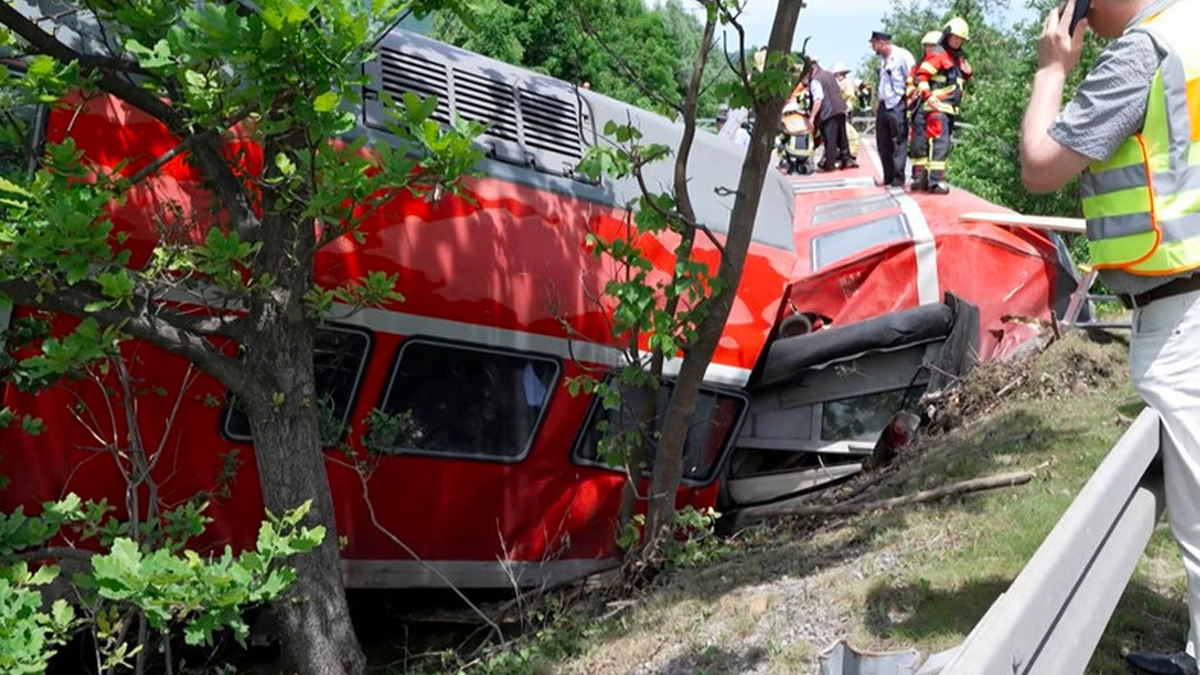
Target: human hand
x,y
1058,48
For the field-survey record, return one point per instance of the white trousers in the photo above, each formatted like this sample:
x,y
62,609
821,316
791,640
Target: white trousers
x,y
1164,357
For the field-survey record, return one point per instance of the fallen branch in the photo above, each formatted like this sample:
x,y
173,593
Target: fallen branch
x,y
965,487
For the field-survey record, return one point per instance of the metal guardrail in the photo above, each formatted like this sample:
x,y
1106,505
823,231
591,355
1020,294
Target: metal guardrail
x,y
1050,619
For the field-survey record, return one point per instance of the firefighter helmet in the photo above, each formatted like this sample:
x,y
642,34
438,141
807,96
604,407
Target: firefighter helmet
x,y
933,37
958,26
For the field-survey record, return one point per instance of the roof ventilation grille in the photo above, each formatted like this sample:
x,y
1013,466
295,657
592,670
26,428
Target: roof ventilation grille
x,y
551,123
488,101
407,72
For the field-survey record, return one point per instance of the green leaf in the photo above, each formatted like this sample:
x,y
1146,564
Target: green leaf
x,y
8,186
44,575
285,164
327,101
62,614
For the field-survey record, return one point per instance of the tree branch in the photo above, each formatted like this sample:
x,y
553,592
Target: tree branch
x,y
175,332
965,487
230,191
101,65
712,237
57,552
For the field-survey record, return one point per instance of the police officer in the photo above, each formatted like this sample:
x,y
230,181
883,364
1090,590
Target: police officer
x,y
891,124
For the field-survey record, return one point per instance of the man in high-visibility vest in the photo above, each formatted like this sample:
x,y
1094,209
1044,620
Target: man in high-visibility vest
x,y
1132,135
940,79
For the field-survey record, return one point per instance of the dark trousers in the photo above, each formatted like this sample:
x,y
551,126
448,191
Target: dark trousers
x,y
918,147
837,145
891,139
940,129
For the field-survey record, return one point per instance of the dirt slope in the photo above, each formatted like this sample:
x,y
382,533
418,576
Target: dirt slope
x,y
919,576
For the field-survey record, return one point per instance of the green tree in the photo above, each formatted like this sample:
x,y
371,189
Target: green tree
x,y
685,315
594,41
283,75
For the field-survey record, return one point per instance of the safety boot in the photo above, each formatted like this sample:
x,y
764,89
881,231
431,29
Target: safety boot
x,y
936,186
920,179
1162,664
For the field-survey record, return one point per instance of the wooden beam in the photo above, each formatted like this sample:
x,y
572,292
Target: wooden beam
x,y
1072,225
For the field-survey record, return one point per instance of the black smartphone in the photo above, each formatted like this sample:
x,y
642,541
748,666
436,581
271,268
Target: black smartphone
x,y
1081,8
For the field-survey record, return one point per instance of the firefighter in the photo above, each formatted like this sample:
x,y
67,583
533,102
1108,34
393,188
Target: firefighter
x,y
848,95
795,143
918,142
865,96
940,79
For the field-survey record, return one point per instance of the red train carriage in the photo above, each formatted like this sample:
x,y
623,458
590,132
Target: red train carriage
x,y
495,477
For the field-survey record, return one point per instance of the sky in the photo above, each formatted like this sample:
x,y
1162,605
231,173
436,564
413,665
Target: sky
x,y
839,29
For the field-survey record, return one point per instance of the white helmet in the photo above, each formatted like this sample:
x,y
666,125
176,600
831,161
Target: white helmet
x,y
839,68
791,107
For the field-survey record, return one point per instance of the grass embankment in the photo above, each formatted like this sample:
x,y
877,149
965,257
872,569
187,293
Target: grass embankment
x,y
916,577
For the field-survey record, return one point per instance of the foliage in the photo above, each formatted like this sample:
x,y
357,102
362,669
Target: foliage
x,y
677,312
695,542
263,168
594,41
29,635
166,585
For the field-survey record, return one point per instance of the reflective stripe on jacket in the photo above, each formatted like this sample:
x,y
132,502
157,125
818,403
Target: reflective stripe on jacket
x,y
1143,204
940,78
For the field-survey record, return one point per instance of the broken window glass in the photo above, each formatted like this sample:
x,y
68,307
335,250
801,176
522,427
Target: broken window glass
x,y
717,416
463,401
859,417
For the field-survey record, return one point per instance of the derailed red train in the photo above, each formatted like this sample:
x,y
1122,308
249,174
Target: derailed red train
x,y
496,479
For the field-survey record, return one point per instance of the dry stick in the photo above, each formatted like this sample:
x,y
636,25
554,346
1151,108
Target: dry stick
x,y
965,487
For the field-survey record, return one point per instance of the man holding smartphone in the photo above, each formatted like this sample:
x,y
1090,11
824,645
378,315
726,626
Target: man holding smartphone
x,y
1132,135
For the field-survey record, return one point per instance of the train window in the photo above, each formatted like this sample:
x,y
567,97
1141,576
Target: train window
x,y
717,417
849,208
339,360
859,417
462,401
834,246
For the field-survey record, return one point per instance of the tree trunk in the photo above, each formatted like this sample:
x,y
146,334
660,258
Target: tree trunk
x,y
668,465
314,619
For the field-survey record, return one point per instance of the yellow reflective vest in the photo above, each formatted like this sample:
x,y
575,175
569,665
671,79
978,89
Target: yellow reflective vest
x,y
1143,204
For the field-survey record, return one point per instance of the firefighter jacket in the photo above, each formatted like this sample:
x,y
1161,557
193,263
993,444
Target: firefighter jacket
x,y
1143,204
910,87
940,77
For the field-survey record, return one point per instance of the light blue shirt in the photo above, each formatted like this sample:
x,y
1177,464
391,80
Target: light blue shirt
x,y
893,74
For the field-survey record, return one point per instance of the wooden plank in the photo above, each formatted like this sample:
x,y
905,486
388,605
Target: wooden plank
x,y
1072,225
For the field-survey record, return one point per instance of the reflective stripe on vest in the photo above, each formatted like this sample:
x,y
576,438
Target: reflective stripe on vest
x,y
1142,205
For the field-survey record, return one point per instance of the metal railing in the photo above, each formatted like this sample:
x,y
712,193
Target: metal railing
x,y
1050,619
